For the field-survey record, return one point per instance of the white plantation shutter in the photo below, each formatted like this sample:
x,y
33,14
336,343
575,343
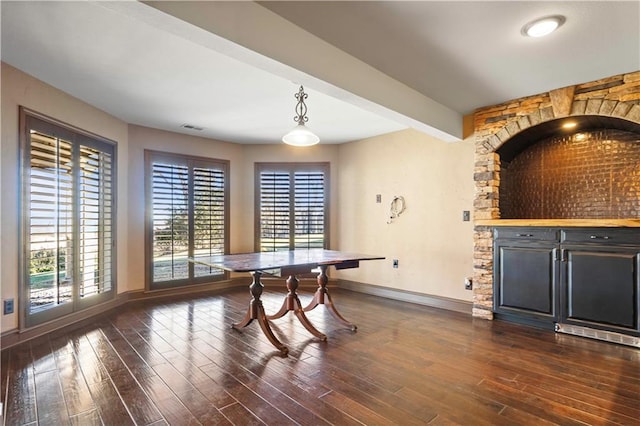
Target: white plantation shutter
x,y
292,200
275,215
189,217
96,231
170,222
68,226
50,206
209,216
309,209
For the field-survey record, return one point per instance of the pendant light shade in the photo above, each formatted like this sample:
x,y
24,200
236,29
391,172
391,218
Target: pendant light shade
x,y
301,135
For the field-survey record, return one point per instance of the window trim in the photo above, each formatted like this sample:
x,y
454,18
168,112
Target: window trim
x,y
324,166
149,157
77,136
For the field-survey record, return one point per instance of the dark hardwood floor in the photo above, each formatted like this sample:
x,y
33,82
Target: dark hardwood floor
x,y
178,362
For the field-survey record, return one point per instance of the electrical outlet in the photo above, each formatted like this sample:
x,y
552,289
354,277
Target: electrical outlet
x,y
8,306
395,263
468,284
378,198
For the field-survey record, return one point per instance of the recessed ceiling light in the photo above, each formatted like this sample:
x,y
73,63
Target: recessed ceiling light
x,y
543,26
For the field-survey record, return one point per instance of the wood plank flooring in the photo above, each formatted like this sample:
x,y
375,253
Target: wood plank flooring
x,y
177,362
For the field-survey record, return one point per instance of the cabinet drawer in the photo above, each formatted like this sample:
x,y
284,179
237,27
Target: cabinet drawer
x,y
526,234
602,236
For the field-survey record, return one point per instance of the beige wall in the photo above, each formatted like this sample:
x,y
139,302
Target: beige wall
x,y
433,245
20,89
430,240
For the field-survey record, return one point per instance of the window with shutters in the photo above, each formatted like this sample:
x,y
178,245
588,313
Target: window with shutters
x,y
292,206
187,218
68,226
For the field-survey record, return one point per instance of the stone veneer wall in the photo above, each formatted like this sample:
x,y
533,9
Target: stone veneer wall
x,y
617,96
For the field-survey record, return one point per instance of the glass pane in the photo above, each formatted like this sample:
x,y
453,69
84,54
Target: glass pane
x,y
208,217
170,222
95,222
274,211
50,206
309,210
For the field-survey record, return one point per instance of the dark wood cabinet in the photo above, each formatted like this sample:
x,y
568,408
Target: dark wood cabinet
x,y
526,275
585,277
601,288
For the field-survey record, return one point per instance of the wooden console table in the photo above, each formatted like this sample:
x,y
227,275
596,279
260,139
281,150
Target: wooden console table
x,y
288,263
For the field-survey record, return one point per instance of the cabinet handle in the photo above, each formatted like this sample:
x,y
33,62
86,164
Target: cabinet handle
x,y
598,237
524,235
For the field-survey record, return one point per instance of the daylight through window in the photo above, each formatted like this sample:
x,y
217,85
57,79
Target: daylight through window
x,y
68,231
187,199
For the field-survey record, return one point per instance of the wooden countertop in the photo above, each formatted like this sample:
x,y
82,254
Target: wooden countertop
x,y
605,223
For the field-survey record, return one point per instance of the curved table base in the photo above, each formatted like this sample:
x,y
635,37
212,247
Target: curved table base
x,y
256,312
322,294
292,303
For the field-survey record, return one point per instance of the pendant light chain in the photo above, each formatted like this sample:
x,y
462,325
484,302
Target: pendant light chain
x,y
301,135
301,107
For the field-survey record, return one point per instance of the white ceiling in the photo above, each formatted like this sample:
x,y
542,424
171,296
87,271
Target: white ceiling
x,y
370,68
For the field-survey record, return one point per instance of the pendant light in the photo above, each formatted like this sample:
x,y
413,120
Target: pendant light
x,y
301,135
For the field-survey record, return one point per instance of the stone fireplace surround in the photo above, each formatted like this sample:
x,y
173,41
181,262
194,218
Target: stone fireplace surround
x,y
616,97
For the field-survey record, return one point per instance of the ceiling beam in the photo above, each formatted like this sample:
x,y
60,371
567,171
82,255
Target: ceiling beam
x,y
257,36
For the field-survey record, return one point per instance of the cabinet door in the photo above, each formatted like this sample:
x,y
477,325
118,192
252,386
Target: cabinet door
x,y
525,278
601,286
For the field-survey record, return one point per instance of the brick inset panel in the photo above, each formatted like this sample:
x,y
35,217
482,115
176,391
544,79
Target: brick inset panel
x,y
593,175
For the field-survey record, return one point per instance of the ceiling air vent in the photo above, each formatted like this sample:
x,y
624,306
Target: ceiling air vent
x,y
192,127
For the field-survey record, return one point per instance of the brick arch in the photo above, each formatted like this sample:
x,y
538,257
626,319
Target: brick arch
x,y
629,111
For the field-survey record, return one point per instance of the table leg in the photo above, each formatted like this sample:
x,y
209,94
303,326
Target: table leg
x,y
292,303
256,312
321,293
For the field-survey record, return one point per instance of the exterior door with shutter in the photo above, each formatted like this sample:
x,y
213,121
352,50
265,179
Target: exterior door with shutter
x,y
68,227
187,216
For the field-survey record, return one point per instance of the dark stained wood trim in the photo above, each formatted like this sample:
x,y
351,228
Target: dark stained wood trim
x,y
408,296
